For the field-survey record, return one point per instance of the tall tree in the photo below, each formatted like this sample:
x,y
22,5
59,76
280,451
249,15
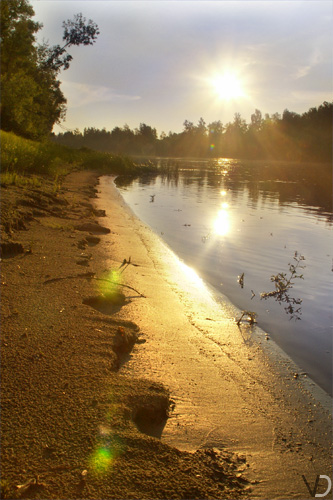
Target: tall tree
x,y
31,98
78,31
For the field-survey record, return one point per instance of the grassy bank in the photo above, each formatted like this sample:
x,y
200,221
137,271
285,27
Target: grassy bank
x,y
23,161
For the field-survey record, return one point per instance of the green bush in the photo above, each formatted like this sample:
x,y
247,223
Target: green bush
x,y
106,162
23,156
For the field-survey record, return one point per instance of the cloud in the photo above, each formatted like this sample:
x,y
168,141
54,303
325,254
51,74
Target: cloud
x,y
301,71
152,59
83,94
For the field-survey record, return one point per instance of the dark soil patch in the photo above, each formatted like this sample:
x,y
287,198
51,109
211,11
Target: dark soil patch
x,y
92,227
92,240
106,304
10,249
151,410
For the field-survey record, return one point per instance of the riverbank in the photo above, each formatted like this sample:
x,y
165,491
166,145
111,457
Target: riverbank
x,y
70,419
86,371
231,386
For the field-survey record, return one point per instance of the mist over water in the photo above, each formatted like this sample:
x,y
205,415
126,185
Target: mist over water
x,y
237,223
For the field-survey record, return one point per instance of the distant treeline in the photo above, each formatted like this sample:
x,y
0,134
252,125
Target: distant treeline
x,y
291,137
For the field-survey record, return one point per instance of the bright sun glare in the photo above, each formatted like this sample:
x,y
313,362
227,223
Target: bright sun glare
x,y
222,223
227,86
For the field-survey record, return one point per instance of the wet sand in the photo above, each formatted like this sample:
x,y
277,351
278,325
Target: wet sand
x,y
89,374
231,387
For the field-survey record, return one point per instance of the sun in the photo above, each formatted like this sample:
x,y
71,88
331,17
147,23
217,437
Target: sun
x,y
227,86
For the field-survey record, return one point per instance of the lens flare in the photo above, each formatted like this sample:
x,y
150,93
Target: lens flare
x,y
102,460
106,452
109,285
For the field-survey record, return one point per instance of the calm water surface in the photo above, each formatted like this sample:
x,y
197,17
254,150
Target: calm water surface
x,y
229,217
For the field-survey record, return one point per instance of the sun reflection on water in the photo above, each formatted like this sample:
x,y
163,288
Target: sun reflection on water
x,y
222,223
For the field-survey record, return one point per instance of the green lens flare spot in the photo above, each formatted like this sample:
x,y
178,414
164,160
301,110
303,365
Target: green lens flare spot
x,y
101,460
109,285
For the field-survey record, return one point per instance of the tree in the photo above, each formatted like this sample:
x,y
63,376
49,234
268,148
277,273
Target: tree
x,y
239,123
146,138
76,32
31,98
256,120
215,131
201,127
17,34
18,64
234,137
308,139
188,126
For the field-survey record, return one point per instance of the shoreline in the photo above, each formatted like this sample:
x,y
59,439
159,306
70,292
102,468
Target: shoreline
x,y
277,387
182,199
87,379
279,357
72,425
272,349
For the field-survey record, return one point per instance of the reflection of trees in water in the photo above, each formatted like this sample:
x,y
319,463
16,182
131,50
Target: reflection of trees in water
x,y
146,181
307,185
171,179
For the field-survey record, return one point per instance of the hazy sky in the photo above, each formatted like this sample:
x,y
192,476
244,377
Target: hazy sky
x,y
161,62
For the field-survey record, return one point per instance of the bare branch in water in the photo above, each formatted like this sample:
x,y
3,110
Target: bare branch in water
x,y
283,284
249,316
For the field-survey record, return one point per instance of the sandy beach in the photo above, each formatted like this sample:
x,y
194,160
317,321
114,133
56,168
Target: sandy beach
x,y
148,389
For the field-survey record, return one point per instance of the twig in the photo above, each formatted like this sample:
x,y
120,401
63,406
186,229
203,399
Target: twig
x,y
283,284
249,314
81,275
92,277
126,263
119,284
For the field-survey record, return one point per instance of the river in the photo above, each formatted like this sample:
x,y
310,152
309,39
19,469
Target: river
x,y
239,223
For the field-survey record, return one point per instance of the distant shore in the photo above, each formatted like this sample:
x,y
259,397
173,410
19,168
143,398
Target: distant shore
x,y
86,367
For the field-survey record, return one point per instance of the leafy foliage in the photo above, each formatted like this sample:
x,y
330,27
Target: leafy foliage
x,y
76,32
24,156
32,101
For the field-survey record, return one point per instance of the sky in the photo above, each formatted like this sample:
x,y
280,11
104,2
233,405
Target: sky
x,y
163,62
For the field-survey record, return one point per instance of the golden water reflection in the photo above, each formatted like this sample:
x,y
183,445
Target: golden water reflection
x,y
222,224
